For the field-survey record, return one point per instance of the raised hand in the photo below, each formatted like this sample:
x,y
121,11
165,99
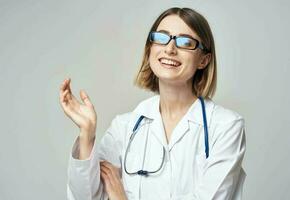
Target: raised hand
x,y
82,114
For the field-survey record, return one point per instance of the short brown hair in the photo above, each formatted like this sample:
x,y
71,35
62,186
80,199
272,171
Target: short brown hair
x,y
204,80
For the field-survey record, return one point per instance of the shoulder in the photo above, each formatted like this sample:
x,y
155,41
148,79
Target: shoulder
x,y
222,115
146,107
124,118
226,123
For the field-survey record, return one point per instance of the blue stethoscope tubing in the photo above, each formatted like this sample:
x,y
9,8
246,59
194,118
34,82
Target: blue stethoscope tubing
x,y
145,173
205,127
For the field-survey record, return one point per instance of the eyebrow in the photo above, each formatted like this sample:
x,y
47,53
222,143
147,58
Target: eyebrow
x,y
181,34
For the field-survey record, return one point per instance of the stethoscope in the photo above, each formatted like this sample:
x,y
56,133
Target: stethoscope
x,y
145,172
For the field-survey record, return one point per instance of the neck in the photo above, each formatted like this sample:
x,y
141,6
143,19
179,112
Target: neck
x,y
175,99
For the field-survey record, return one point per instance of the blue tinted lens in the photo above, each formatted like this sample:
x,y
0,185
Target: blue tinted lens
x,y
185,42
159,38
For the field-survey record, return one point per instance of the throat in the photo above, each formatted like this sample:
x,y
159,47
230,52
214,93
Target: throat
x,y
169,126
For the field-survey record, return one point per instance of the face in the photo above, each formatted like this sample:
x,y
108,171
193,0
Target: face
x,y
186,62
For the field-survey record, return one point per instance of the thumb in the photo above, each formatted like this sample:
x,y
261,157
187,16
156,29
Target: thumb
x,y
85,98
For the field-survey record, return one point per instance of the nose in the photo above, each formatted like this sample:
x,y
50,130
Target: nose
x,y
170,48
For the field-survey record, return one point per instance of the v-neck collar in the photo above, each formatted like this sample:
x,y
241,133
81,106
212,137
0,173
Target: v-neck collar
x,y
149,108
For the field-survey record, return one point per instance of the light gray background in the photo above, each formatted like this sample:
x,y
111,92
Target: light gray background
x,y
99,44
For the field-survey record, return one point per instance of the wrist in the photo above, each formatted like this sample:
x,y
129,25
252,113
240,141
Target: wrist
x,y
86,138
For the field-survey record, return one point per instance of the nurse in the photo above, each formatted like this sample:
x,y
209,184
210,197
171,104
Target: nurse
x,y
169,146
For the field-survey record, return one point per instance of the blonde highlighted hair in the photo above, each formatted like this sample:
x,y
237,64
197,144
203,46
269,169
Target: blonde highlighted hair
x,y
204,80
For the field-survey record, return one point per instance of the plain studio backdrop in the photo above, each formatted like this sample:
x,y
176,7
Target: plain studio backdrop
x,y
99,45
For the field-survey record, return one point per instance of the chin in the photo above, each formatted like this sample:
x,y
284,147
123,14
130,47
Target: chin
x,y
167,77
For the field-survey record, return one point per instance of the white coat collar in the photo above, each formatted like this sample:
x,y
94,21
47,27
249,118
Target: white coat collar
x,y
150,109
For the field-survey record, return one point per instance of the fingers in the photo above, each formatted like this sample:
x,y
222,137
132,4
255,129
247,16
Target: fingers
x,y
85,98
65,90
110,171
112,181
66,95
110,166
63,96
106,179
69,88
64,84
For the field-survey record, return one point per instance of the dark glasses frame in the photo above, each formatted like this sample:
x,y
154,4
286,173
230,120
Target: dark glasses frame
x,y
198,44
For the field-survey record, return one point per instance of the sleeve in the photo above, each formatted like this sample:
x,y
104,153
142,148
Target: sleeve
x,y
84,175
223,168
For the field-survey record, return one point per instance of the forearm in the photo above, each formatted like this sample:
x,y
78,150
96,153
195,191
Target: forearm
x,y
86,145
84,175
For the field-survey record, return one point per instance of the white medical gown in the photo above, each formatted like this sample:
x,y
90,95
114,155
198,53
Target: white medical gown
x,y
186,173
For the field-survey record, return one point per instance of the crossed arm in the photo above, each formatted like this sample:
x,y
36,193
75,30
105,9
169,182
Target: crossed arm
x,y
110,175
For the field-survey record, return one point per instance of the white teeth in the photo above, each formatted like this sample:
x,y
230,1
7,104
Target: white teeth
x,y
169,62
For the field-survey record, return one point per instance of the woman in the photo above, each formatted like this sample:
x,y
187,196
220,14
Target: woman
x,y
177,144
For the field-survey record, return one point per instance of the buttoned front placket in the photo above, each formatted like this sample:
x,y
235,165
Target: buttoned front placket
x,y
169,162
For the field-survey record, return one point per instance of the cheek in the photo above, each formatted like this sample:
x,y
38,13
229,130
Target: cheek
x,y
154,52
189,72
190,67
153,57
191,63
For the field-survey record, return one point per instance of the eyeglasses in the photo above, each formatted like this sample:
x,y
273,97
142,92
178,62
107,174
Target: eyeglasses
x,y
182,42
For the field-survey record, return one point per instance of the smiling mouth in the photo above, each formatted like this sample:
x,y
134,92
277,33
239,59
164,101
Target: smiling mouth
x,y
169,63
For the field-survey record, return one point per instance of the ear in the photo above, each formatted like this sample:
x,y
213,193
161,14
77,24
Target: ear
x,y
204,60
